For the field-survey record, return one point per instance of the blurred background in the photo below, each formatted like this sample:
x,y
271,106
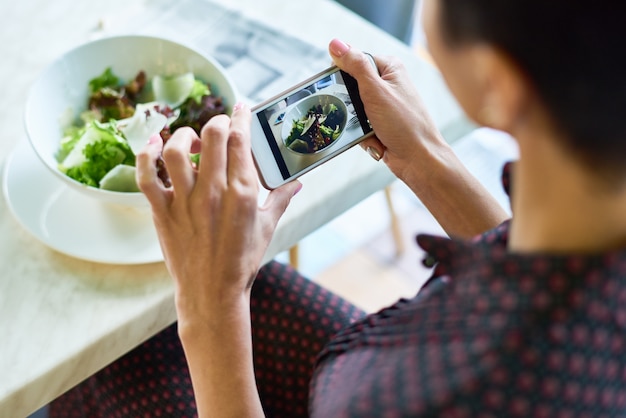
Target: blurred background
x,y
397,17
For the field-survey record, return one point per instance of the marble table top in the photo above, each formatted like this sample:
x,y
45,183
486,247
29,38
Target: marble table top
x,y
64,318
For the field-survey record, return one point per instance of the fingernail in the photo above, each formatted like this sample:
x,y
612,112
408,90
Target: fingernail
x,y
373,152
339,48
295,192
154,139
237,106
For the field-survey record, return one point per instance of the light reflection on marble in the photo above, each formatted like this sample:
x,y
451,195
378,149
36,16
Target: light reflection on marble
x,y
63,318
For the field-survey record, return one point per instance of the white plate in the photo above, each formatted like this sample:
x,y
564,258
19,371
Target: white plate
x,y
71,222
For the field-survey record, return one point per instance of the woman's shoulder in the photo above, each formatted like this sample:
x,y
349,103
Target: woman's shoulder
x,y
487,319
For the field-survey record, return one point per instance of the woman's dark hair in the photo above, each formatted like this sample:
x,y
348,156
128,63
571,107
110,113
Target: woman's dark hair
x,y
574,53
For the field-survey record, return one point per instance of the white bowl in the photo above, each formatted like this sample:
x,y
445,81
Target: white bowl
x,y
62,91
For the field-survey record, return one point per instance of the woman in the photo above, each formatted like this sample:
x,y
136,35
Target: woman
x,y
521,318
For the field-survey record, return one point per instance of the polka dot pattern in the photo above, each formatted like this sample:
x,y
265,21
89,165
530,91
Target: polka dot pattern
x,y
292,319
150,381
492,334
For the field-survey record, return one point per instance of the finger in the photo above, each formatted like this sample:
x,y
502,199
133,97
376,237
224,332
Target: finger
x,y
374,148
277,201
213,162
176,157
372,141
240,164
147,173
354,62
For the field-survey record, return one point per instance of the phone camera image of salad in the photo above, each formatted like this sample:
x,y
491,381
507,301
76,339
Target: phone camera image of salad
x,y
100,149
319,126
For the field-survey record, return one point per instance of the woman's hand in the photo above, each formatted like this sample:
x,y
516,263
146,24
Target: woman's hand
x,y
212,232
409,143
213,236
406,136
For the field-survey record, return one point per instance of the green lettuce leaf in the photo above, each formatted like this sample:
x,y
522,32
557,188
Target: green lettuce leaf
x,y
71,137
296,131
106,79
99,150
198,91
329,108
195,158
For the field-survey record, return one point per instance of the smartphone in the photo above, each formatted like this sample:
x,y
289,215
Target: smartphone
x,y
307,125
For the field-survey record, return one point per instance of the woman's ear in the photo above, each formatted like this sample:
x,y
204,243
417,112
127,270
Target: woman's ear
x,y
503,90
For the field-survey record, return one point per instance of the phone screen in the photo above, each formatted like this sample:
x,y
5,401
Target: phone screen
x,y
315,122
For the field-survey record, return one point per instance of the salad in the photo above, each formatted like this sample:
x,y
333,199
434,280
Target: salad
x,y
316,130
100,150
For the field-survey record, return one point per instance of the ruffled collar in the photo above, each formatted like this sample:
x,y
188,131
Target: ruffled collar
x,y
485,265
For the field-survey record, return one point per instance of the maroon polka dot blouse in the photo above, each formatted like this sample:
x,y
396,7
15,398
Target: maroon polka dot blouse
x,y
492,334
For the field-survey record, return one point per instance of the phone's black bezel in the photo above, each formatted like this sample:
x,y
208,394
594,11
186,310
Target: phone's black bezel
x,y
359,108
353,90
269,136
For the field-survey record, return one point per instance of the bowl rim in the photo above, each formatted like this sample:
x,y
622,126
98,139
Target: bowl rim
x,y
112,38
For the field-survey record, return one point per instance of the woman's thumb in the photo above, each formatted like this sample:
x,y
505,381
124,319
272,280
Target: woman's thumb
x,y
354,62
278,200
338,48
